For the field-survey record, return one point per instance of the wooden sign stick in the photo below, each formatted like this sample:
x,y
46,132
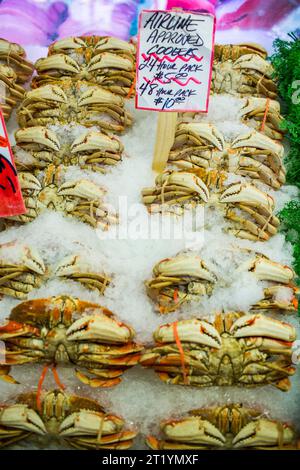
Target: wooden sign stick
x,y
165,134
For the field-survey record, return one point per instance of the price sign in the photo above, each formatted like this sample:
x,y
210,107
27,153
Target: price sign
x,y
11,201
175,54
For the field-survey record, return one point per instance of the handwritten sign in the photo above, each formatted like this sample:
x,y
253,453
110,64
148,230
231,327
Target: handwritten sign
x,y
11,201
175,54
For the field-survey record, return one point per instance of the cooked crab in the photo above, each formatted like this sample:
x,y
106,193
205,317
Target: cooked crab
x,y
263,115
10,92
225,427
249,74
14,56
236,349
175,188
38,147
249,210
200,147
186,278
111,70
22,273
81,199
178,280
70,331
75,421
224,52
74,102
85,47
22,270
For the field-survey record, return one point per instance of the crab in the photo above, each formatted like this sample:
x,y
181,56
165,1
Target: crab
x,y
232,426
76,421
68,330
10,92
38,147
175,188
224,52
249,74
24,273
108,69
249,210
253,112
187,278
201,148
81,199
236,349
86,47
74,102
14,56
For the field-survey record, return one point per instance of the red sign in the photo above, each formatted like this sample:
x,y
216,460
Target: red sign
x,y
11,201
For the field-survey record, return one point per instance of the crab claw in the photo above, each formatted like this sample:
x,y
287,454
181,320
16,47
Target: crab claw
x,y
28,182
99,327
260,325
257,140
98,95
12,329
67,43
57,62
82,188
108,60
183,265
33,261
263,433
4,375
247,194
185,180
193,430
38,135
193,331
95,141
267,270
205,130
47,92
110,42
22,417
86,422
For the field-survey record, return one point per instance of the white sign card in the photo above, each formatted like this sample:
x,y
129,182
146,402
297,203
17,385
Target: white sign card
x,y
174,64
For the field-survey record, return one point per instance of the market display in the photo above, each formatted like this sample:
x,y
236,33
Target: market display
x,y
231,303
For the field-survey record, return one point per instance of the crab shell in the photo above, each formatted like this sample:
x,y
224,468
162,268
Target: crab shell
x,y
10,92
249,75
178,280
14,56
224,427
69,330
79,421
201,148
111,70
37,147
69,102
236,349
224,52
88,46
175,188
82,199
263,115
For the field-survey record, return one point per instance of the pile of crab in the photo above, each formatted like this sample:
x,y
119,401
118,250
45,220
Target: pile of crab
x,y
72,117
15,70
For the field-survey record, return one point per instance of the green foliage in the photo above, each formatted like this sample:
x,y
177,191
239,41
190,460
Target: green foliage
x,y
286,62
290,224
